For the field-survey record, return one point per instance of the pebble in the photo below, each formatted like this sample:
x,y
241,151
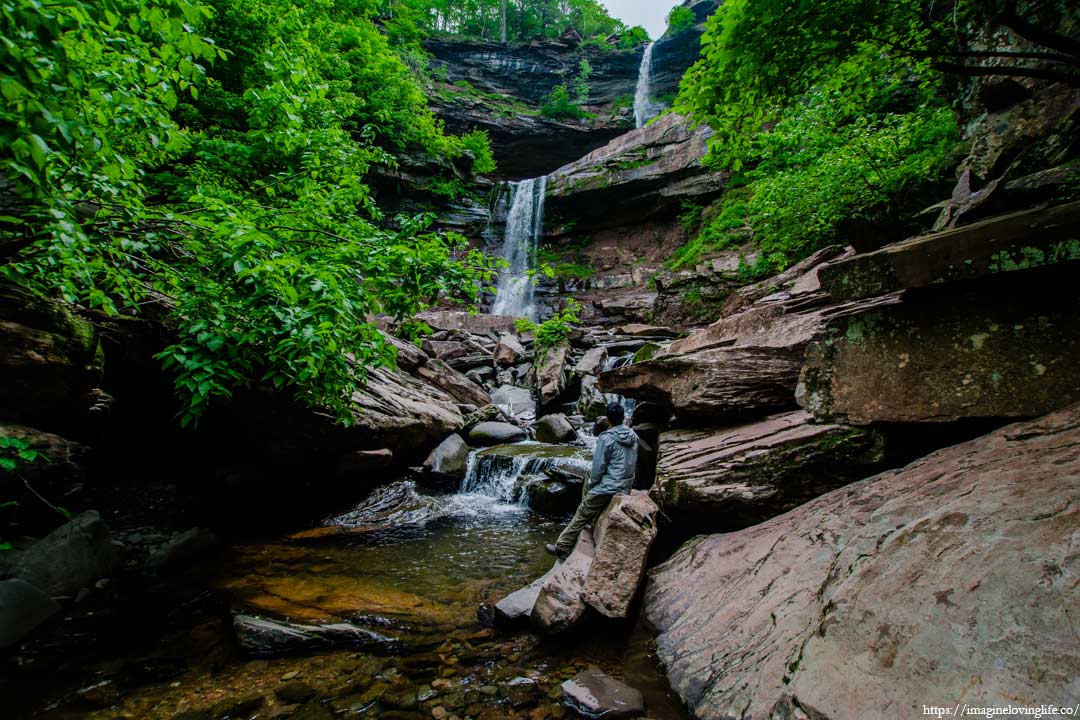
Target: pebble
x,y
439,712
291,675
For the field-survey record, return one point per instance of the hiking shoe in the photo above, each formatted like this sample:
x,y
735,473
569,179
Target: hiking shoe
x,y
555,551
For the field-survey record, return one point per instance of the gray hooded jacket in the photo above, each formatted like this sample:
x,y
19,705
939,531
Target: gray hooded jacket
x,y
614,462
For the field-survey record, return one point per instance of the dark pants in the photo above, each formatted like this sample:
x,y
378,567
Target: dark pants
x,y
590,507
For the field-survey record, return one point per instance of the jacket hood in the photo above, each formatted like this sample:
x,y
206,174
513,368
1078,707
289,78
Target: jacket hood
x,y
623,435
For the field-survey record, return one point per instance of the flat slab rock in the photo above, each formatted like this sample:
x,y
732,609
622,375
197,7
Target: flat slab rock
x,y
265,637
950,580
762,469
1002,347
594,694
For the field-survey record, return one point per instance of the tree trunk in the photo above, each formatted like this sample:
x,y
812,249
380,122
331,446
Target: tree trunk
x,y
503,22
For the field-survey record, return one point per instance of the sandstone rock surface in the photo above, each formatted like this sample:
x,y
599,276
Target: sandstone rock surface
x,y
23,607
950,580
559,605
595,694
453,383
1005,347
752,472
623,534
403,412
551,376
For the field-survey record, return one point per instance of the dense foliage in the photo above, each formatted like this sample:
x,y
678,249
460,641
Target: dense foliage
x,y
525,20
147,166
824,113
554,331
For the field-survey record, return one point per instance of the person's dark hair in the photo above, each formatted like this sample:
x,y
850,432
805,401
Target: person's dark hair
x,y
615,413
600,426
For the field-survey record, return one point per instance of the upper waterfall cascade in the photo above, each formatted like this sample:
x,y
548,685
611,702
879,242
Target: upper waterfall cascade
x,y
644,107
524,224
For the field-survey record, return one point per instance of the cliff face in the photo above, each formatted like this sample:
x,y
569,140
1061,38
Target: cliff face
x,y
501,88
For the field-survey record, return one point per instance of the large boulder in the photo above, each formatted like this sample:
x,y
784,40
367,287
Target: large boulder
x,y
559,604
592,361
495,433
453,383
72,557
551,497
639,175
551,375
555,428
594,694
950,580
1004,347
400,411
749,473
509,351
623,534
23,607
591,402
449,460
62,458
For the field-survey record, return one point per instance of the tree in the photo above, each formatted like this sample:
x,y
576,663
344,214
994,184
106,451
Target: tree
x,y
758,55
502,25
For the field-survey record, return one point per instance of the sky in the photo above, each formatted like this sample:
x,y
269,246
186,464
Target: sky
x,y
652,14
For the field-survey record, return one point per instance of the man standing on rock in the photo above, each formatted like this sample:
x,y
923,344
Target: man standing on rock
x,y
613,468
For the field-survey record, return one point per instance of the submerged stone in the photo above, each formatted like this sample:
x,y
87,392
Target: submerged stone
x,y
594,694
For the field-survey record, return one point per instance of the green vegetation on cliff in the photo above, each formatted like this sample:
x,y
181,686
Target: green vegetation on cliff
x,y
208,161
828,113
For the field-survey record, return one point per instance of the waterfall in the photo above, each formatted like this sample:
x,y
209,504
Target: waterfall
x,y
500,476
524,224
628,404
644,108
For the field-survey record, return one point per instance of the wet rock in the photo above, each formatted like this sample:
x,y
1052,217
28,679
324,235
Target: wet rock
x,y
23,608
509,351
182,549
554,429
495,433
551,375
551,497
623,534
896,587
521,692
402,412
73,556
515,402
449,460
264,637
488,413
752,472
1004,347
594,694
559,605
592,361
453,383
591,402
295,693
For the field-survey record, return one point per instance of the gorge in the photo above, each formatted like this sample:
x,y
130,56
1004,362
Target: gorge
x,y
306,464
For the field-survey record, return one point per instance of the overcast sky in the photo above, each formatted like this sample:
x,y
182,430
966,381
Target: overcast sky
x,y
650,13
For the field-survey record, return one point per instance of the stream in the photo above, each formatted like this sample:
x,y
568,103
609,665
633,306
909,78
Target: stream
x,y
411,564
